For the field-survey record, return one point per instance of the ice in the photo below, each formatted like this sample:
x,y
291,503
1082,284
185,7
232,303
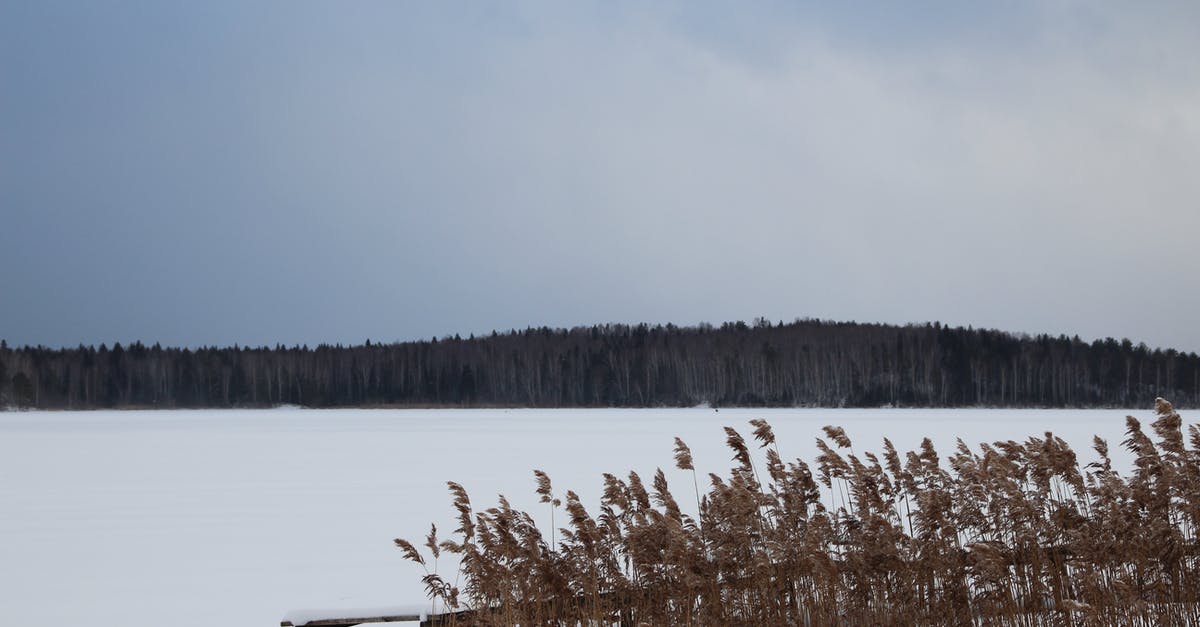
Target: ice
x,y
237,517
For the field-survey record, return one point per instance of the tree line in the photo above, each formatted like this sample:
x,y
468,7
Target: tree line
x,y
803,363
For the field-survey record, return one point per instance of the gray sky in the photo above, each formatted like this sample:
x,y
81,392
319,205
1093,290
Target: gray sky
x,y
298,172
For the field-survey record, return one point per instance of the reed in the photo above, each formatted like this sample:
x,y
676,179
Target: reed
x,y
1014,533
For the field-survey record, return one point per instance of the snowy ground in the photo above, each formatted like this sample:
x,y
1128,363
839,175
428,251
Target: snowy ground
x,y
236,517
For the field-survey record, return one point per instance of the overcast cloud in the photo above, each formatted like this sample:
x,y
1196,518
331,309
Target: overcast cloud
x,y
212,173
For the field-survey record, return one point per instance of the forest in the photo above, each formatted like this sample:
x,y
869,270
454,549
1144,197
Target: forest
x,y
807,362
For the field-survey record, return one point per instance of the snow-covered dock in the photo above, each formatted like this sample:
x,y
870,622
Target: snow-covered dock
x,y
343,617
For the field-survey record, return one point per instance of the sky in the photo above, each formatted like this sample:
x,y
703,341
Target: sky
x,y
305,172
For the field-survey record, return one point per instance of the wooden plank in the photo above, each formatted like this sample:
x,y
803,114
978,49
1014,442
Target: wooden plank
x,y
348,622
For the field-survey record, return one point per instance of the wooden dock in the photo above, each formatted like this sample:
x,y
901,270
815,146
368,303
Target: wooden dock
x,y
359,620
350,618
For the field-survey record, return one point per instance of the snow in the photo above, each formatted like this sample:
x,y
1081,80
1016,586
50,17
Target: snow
x,y
237,517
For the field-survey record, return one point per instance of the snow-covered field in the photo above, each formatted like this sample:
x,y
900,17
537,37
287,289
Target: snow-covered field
x,y
235,517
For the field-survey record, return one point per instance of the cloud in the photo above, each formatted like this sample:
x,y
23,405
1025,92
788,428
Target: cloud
x,y
396,174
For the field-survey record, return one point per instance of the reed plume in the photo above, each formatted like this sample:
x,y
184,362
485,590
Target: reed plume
x,y
1009,533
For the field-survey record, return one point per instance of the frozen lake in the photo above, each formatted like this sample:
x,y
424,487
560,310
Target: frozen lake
x,y
235,517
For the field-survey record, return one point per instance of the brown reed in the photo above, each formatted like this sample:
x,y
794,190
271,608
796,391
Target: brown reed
x,y
1016,533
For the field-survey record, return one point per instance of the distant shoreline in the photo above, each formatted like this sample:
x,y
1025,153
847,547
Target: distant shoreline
x,y
398,407
805,363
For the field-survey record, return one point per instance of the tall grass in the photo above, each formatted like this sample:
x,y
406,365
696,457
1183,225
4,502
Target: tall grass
x,y
1015,533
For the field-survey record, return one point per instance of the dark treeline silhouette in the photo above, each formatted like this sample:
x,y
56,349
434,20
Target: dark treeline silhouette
x,y
807,362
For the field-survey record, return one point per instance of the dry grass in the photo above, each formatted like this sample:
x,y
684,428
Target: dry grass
x,y
1016,533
